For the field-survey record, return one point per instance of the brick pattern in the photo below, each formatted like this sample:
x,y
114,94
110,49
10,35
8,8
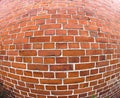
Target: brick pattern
x,y
60,48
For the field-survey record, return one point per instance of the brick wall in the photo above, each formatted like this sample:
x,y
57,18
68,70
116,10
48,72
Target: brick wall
x,y
60,48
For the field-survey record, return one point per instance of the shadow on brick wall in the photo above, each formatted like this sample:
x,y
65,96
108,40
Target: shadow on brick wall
x,y
5,93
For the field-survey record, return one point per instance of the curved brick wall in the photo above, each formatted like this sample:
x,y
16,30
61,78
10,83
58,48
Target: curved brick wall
x,y
60,48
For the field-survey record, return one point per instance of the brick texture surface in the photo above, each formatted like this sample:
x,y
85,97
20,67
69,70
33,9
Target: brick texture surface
x,y
60,48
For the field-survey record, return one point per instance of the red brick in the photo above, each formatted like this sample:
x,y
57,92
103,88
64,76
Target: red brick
x,y
92,28
22,88
27,46
85,45
74,21
62,20
52,81
73,52
49,32
84,33
61,92
72,32
94,71
60,32
101,40
48,21
73,96
83,90
60,16
48,45
28,79
61,75
28,53
20,40
90,78
37,74
103,63
110,51
28,59
93,52
28,28
94,45
84,73
73,26
61,45
61,87
40,39
50,87
37,46
40,92
61,60
19,72
73,74
3,52
61,67
38,33
52,26
114,61
48,74
93,83
49,60
39,87
84,66
73,86
37,67
12,52
29,85
38,60
49,53
62,38
51,97
94,58
27,73
73,59
73,45
84,39
40,22
85,59
19,65
73,80
13,76
40,17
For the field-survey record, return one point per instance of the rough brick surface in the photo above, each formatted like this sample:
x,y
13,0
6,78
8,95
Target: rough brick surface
x,y
60,48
